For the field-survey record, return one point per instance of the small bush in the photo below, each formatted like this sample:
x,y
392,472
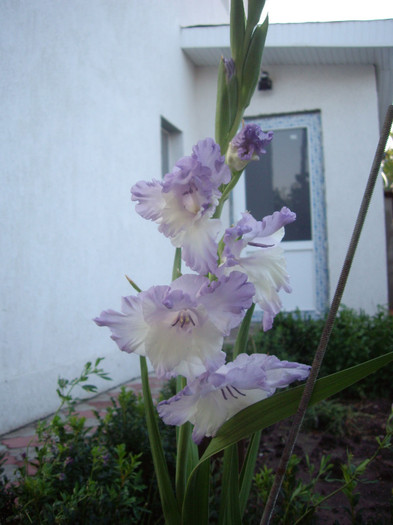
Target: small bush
x,y
356,337
329,416
85,476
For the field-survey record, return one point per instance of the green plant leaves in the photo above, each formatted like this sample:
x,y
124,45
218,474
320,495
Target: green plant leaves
x,y
237,30
168,500
229,507
247,472
196,507
252,63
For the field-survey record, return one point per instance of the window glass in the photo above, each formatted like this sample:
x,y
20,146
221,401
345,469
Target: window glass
x,y
281,178
171,146
165,167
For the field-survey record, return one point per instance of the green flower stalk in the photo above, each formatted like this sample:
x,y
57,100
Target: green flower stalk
x,y
238,76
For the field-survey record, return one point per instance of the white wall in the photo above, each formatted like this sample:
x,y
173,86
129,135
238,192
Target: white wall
x,y
204,12
82,88
347,99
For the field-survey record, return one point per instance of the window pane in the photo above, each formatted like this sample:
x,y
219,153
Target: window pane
x,y
164,152
281,178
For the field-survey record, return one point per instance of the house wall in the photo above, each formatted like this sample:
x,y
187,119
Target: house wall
x,y
347,99
82,88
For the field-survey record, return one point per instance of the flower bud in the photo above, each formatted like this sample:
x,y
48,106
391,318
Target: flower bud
x,y
247,145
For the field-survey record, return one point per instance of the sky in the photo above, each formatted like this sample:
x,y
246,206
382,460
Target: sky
x,y
331,10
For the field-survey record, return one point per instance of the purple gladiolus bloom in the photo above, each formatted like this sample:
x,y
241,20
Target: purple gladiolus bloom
x,y
266,265
247,145
183,203
181,327
214,397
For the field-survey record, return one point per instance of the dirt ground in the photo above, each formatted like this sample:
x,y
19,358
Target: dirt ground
x,y
367,421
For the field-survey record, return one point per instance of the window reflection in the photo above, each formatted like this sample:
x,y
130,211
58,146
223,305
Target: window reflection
x,y
281,178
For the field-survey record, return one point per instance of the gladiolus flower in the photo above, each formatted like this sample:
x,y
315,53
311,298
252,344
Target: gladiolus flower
x,y
184,202
214,397
181,327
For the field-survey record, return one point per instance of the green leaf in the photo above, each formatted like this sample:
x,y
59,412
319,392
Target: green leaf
x,y
135,286
252,63
176,270
89,388
196,506
182,471
254,12
168,500
229,506
247,472
223,116
280,406
242,336
237,30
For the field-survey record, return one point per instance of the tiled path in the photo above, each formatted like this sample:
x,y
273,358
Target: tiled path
x,y
15,443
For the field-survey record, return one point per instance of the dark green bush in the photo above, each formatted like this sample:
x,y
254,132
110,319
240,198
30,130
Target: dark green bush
x,y
82,475
356,337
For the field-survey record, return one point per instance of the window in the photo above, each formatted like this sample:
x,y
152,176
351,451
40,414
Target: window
x,y
171,146
281,178
291,174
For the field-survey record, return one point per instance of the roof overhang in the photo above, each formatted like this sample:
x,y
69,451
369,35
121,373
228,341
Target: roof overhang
x,y
313,43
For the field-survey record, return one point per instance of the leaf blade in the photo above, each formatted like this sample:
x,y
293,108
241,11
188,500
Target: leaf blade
x,y
168,500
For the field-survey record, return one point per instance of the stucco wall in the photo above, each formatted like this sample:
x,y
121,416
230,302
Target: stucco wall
x,y
347,99
82,88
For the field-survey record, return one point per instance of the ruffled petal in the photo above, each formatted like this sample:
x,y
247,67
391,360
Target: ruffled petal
x,y
128,327
227,300
199,245
150,199
208,153
266,269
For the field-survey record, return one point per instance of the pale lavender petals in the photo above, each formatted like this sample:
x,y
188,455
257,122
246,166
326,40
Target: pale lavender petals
x,y
199,245
208,153
177,326
266,269
183,202
265,266
227,299
269,230
128,327
213,398
150,199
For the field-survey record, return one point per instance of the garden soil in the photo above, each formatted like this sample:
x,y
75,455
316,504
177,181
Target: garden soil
x,y
358,436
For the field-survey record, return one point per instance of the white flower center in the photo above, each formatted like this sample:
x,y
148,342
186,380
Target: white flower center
x,y
191,201
185,320
227,392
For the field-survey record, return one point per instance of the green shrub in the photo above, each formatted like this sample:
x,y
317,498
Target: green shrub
x,y
296,496
82,475
329,416
356,337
